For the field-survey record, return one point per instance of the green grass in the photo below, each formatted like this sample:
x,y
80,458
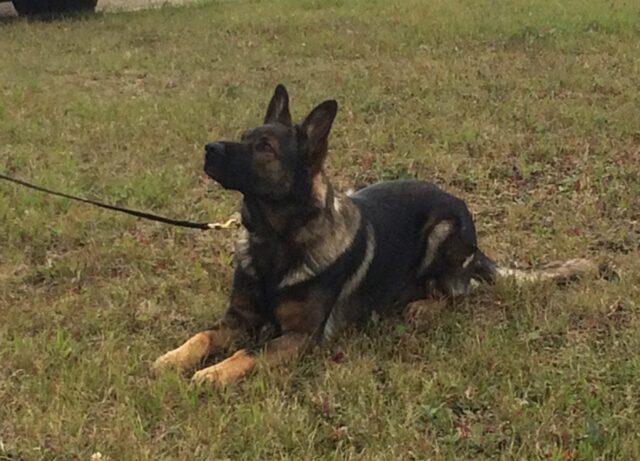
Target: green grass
x,y
526,109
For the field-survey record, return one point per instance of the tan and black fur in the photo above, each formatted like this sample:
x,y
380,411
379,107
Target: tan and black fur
x,y
310,261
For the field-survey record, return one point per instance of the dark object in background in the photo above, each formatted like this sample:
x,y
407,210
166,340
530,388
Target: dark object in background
x,y
48,7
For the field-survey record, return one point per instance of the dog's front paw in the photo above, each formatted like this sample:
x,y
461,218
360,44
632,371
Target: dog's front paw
x,y
211,375
227,371
172,360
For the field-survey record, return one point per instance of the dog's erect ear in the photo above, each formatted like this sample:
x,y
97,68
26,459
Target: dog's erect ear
x,y
316,127
278,110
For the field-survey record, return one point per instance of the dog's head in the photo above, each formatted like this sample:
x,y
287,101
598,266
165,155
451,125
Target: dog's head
x,y
278,161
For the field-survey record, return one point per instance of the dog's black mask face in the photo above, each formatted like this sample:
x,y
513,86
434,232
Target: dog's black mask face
x,y
276,161
263,163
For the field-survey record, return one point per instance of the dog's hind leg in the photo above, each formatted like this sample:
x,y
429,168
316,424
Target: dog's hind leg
x,y
447,261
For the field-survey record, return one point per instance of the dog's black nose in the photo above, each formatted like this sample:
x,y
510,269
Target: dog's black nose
x,y
214,148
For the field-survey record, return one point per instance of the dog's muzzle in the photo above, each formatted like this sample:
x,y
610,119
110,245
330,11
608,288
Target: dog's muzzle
x,y
226,163
214,154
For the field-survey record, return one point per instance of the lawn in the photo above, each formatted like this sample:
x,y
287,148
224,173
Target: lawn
x,y
529,110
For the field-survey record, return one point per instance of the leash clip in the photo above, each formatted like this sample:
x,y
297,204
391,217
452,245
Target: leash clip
x,y
233,221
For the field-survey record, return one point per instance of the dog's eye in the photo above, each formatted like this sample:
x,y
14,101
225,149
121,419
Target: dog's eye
x,y
266,147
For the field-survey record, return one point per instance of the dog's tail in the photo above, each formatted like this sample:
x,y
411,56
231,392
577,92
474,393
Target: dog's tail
x,y
487,270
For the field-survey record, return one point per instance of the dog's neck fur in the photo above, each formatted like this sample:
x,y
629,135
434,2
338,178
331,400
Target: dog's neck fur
x,y
315,234
284,221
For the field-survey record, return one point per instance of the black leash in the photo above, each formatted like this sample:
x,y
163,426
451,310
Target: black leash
x,y
139,214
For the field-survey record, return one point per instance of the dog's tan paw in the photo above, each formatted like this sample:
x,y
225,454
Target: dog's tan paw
x,y
172,360
227,371
188,356
210,375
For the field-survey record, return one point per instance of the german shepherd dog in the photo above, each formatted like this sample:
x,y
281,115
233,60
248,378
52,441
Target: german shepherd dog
x,y
311,261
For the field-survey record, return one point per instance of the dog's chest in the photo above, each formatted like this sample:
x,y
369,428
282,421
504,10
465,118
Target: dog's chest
x,y
264,259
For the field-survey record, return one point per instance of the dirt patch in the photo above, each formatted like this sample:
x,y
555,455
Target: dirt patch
x,y
107,5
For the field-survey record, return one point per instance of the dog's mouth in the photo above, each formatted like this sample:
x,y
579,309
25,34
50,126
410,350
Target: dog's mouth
x,y
215,170
212,165
217,165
